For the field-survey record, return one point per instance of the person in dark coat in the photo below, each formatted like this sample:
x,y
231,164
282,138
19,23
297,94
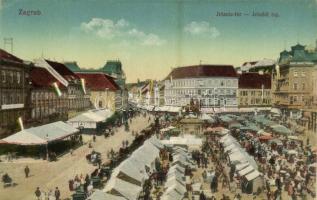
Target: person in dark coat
x,y
38,193
26,171
57,194
202,196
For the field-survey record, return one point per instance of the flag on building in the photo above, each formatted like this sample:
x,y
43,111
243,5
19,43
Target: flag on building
x,y
57,90
20,123
83,85
277,68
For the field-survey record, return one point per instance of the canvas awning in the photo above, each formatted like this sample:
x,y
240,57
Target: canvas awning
x,y
246,170
252,175
123,188
281,129
42,134
100,195
92,116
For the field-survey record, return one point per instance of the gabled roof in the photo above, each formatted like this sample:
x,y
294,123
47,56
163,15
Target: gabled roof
x,y
254,81
62,70
98,81
41,78
9,57
201,71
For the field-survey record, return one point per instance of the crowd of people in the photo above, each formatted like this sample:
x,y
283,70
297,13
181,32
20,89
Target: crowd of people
x,y
50,195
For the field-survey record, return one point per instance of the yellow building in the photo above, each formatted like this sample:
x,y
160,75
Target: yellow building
x,y
103,89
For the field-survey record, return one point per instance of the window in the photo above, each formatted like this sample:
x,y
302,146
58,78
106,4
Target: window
x,y
252,93
295,86
18,78
3,76
303,86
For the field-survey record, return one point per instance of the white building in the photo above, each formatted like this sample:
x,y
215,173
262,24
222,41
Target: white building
x,y
210,85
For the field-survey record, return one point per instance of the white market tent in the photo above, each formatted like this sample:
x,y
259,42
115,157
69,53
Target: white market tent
x,y
186,140
122,188
241,166
41,134
100,195
246,170
257,181
132,171
90,118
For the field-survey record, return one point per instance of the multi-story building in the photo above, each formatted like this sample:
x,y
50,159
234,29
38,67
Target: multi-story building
x,y
294,83
114,69
77,94
293,79
208,85
14,92
103,89
254,90
46,104
152,93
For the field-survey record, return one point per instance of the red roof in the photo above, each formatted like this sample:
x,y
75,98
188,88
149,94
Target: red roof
x,y
199,71
62,70
254,81
9,57
40,77
98,81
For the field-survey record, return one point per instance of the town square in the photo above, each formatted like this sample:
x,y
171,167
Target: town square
x,y
158,100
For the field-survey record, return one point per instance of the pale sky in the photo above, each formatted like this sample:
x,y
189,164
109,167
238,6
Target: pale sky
x,y
151,36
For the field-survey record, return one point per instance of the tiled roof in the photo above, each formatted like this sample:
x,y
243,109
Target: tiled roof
x,y
200,71
9,57
41,78
254,81
62,70
98,81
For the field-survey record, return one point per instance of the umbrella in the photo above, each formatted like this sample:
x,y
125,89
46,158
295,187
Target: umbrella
x,y
281,129
276,141
265,134
293,137
265,137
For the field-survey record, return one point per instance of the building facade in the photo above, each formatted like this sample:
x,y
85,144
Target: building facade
x,y
78,96
114,69
209,85
254,90
46,104
294,84
14,92
103,89
293,80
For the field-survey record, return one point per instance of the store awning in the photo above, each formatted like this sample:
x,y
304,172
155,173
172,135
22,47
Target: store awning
x,y
41,134
92,116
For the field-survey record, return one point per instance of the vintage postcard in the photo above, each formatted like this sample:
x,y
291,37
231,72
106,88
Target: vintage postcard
x,y
158,99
